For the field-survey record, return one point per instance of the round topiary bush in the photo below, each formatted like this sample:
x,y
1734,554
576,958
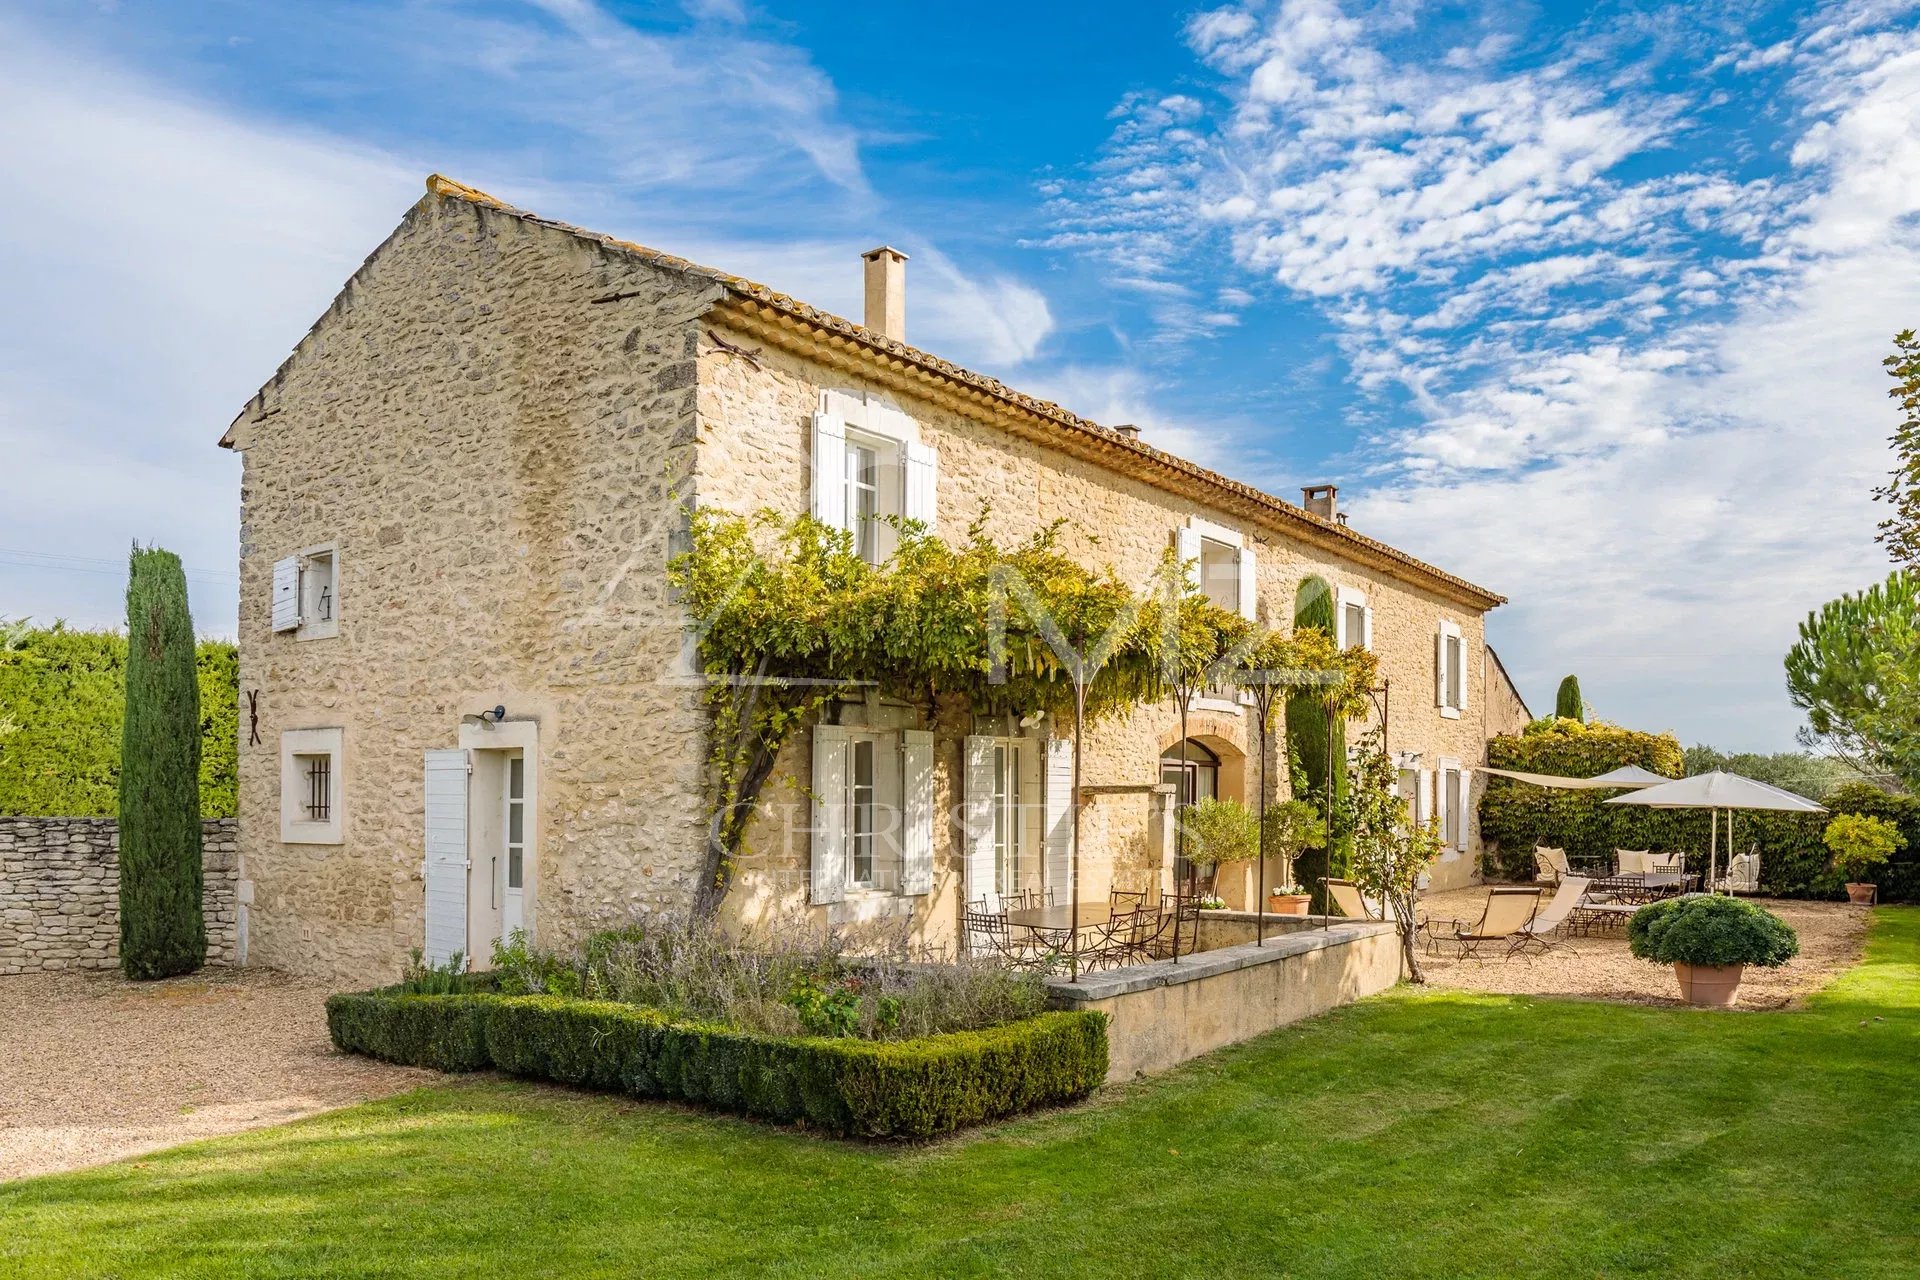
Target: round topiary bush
x,y
1711,931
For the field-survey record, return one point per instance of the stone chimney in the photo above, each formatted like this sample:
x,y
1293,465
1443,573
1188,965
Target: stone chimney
x,y
887,292
1321,500
1128,430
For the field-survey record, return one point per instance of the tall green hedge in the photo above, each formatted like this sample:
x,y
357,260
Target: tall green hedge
x,y
859,1088
62,692
1307,751
162,930
1515,816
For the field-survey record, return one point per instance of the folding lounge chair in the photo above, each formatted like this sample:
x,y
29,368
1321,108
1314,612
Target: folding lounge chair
x,y
1508,911
1348,901
1533,934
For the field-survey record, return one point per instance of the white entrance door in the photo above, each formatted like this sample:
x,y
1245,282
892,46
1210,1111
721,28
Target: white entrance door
x,y
513,829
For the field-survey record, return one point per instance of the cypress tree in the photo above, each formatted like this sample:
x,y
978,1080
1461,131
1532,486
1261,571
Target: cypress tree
x,y
1307,751
162,932
1567,704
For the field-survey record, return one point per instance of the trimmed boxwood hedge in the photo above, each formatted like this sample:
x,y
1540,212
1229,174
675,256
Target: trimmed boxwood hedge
x,y
860,1088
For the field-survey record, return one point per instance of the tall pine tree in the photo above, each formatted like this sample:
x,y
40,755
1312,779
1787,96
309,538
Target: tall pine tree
x,y
162,932
1900,532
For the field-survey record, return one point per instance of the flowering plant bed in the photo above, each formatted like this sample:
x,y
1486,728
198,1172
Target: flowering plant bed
x,y
859,1088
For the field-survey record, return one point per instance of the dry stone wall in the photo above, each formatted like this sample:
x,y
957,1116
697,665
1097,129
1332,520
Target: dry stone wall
x,y
60,892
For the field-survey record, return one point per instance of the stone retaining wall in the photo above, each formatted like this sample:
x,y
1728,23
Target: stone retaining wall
x,y
60,892
1161,1014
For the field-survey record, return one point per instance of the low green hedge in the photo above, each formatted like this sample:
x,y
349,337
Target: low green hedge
x,y
861,1088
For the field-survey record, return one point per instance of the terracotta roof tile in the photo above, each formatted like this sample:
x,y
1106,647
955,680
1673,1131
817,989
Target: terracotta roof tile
x,y
827,323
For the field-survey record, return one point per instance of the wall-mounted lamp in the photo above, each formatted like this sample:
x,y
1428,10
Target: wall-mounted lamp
x,y
487,718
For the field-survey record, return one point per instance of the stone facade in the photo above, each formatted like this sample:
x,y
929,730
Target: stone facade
x,y
60,893
1507,711
492,427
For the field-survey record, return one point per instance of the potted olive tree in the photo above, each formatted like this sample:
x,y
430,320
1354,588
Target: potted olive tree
x,y
1861,845
1291,827
1709,941
1219,831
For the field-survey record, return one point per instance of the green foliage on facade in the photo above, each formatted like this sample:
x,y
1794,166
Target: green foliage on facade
x,y
1567,702
858,1088
791,619
62,694
1309,749
162,932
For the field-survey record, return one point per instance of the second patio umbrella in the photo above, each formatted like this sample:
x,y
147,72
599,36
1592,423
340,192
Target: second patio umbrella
x,y
1716,791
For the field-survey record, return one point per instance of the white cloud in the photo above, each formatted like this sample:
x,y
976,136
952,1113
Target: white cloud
x,y
164,253
162,260
1642,399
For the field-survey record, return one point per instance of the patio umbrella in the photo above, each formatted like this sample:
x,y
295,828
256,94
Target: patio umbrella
x,y
1716,791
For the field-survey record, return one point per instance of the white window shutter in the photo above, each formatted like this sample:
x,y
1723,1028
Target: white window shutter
x,y
922,483
1443,801
916,812
1462,641
1440,667
286,594
1249,583
830,470
1057,820
445,868
976,799
829,813
1462,805
1187,544
1366,628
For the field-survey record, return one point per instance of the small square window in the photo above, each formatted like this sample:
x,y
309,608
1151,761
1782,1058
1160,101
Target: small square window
x,y
311,786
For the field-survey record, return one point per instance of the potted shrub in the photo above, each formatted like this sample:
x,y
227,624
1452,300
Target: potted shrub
x,y
1288,900
1292,826
1709,941
1218,831
1861,845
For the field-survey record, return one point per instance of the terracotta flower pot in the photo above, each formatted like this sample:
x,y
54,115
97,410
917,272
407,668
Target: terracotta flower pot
x,y
1861,893
1711,986
1288,904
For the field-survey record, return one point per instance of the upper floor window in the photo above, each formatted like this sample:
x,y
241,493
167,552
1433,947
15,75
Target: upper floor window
x,y
1353,619
1450,670
1220,563
306,593
869,465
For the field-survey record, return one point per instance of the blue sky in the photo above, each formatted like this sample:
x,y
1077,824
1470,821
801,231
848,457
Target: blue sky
x,y
1585,303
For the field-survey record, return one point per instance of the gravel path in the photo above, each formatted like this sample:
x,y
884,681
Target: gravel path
x,y
94,1068
1832,935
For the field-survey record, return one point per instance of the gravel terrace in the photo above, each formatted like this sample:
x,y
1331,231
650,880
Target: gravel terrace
x,y
94,1068
1832,935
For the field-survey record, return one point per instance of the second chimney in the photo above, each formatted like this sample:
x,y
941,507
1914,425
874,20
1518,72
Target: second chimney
x,y
887,292
1321,500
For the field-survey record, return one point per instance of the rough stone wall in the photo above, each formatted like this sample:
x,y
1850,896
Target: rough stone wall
x,y
60,892
755,422
1506,712
493,451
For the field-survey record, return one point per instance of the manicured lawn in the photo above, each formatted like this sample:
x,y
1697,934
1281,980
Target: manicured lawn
x,y
1413,1134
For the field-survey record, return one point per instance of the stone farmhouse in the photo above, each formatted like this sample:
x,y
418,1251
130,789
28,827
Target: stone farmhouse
x,y
463,671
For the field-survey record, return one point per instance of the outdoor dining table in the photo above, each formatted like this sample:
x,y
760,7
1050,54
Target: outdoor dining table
x,y
1642,886
1059,920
